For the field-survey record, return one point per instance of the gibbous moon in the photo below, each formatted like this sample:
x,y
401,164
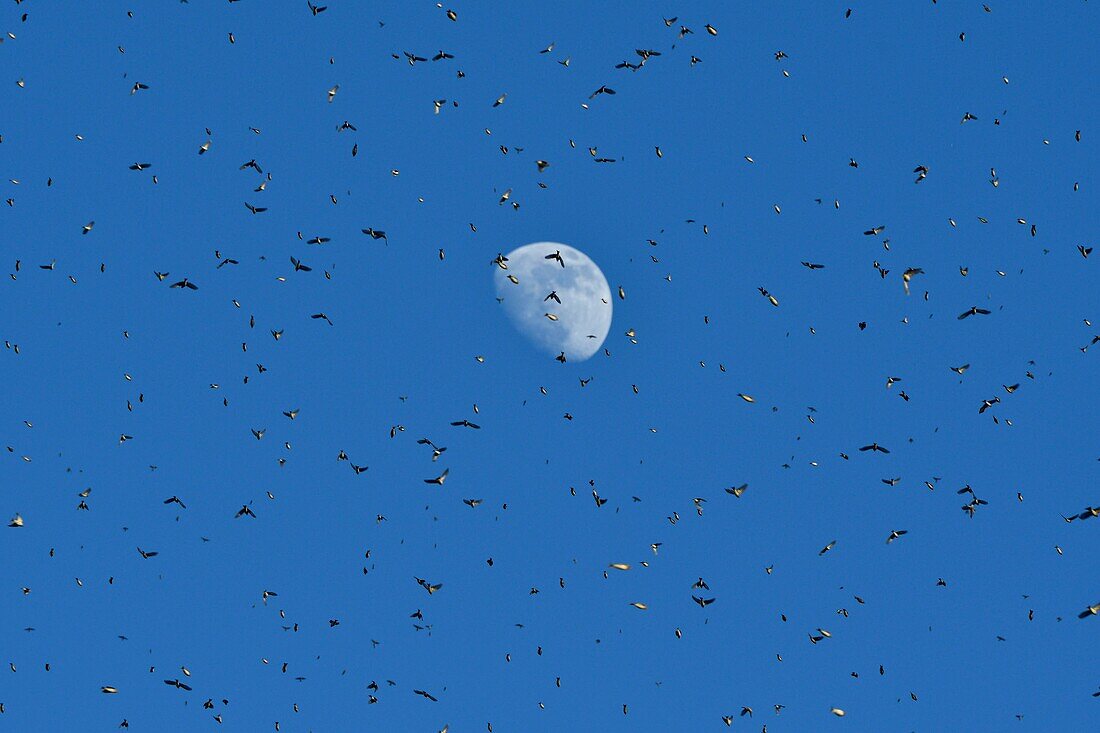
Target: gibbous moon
x,y
578,324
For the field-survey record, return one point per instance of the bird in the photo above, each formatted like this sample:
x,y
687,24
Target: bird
x,y
464,423
556,256
1092,610
974,310
438,480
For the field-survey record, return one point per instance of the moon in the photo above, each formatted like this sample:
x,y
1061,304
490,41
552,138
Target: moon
x,y
578,324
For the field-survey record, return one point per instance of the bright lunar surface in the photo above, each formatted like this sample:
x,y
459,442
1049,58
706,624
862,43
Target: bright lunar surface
x,y
582,318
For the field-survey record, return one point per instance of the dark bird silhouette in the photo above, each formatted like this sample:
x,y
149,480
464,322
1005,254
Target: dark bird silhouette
x,y
438,480
974,311
464,423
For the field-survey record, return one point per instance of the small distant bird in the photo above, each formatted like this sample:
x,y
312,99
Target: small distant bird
x,y
973,311
771,298
1093,610
464,423
438,480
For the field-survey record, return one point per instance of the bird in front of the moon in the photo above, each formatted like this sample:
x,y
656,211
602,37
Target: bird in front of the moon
x,y
556,297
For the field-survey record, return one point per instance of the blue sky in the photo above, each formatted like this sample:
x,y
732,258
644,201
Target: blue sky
x,y
885,88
